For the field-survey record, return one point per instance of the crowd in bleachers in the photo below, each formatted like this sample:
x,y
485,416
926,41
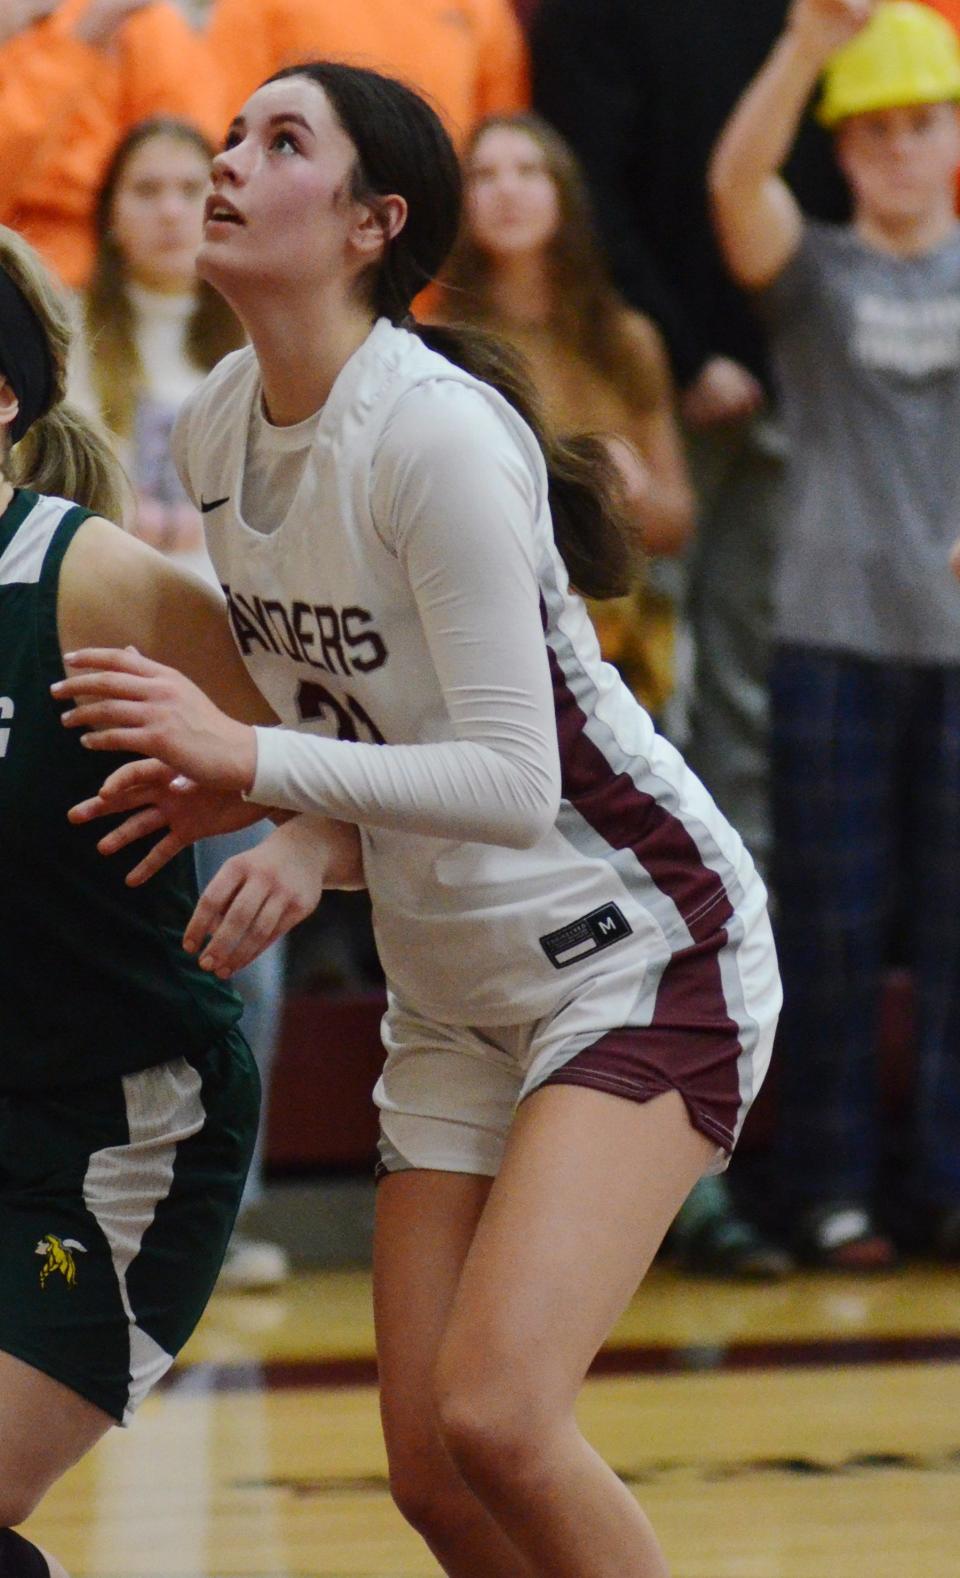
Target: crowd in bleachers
x,y
754,405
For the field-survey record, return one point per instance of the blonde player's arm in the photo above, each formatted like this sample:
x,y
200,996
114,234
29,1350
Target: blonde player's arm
x,y
759,222
117,591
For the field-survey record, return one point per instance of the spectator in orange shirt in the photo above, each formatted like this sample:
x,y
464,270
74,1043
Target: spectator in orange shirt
x,y
468,56
74,77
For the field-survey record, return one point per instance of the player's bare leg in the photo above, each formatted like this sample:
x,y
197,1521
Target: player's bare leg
x,y
589,1185
425,1224
44,1429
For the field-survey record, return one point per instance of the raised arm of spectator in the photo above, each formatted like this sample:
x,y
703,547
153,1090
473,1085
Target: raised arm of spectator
x,y
585,83
758,219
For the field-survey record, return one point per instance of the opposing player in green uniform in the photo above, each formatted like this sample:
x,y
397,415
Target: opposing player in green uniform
x,y
128,1099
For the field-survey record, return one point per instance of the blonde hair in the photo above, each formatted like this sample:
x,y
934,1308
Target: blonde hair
x,y
63,453
109,318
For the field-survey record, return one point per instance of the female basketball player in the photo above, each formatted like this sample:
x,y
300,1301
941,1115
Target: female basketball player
x,y
128,1102
582,984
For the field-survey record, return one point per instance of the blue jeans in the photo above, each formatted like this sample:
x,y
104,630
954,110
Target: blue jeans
x,y
866,810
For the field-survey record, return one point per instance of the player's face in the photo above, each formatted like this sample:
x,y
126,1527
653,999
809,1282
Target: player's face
x,y
281,213
512,204
157,212
901,164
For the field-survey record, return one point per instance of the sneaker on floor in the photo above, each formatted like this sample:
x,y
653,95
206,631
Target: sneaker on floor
x,y
712,1238
253,1266
729,1246
841,1235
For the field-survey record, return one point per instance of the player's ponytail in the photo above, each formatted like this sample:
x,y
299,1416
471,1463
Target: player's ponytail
x,y
402,148
58,451
586,503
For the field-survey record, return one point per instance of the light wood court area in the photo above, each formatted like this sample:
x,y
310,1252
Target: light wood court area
x,y
809,1430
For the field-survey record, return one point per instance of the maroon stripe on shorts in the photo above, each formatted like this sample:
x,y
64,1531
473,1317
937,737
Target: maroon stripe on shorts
x,y
692,1045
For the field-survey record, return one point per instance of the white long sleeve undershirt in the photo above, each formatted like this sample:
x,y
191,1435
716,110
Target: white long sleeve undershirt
x,y
455,496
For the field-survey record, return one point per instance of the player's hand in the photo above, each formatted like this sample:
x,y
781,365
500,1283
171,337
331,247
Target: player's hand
x,y
821,27
161,801
955,559
98,24
256,897
129,703
722,392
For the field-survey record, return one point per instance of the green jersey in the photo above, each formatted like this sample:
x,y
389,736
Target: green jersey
x,y
93,977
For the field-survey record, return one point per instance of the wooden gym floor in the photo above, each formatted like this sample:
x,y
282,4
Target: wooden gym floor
x,y
809,1430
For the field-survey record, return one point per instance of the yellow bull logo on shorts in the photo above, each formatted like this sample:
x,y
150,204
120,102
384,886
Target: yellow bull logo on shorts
x,y
59,1257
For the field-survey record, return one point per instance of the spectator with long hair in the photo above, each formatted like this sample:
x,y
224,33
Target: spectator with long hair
x,y
151,329
527,266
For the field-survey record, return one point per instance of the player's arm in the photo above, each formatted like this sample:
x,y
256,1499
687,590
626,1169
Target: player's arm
x,y
759,221
116,591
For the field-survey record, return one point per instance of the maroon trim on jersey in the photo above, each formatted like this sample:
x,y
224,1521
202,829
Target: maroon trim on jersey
x,y
691,1045
629,819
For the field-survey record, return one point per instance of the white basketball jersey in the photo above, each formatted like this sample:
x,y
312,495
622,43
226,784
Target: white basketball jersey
x,y
326,620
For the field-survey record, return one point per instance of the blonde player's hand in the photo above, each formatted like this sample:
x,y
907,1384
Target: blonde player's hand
x,y
258,896
823,26
161,800
126,702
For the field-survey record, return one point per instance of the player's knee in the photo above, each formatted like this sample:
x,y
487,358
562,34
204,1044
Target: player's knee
x,y
490,1430
18,1557
429,1498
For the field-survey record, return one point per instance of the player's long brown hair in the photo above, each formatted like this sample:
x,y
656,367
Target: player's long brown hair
x,y
63,453
402,148
109,319
586,310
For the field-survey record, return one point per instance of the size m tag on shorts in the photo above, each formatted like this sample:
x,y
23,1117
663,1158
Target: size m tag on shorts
x,y
588,935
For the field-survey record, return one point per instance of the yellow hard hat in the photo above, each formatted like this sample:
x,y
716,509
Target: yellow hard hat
x,y
906,54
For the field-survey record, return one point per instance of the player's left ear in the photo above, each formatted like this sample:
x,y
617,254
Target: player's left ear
x,y
9,404
377,225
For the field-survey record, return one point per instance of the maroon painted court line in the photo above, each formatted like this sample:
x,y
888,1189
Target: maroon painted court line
x,y
815,1354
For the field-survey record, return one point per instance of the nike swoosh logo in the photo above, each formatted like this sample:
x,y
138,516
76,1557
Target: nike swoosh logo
x,y
206,505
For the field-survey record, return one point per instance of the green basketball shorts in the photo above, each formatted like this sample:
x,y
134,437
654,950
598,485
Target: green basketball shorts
x,y
117,1200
